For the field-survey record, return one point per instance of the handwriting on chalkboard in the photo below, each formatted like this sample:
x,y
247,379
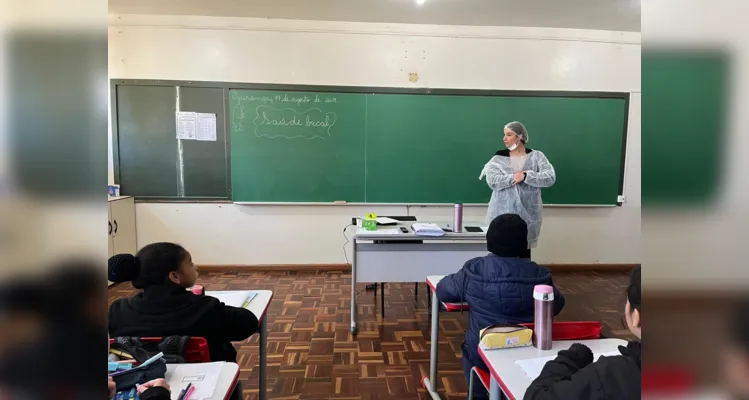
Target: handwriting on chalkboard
x,y
287,123
295,98
282,101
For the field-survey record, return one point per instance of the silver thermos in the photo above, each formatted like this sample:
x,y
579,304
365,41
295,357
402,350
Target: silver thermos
x,y
458,218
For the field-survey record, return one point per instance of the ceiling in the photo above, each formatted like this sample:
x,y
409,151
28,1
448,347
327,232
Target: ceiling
x,y
617,15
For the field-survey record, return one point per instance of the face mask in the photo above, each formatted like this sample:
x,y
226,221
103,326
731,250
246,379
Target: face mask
x,y
514,146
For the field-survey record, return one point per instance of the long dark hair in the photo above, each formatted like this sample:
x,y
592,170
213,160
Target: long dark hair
x,y
150,267
634,293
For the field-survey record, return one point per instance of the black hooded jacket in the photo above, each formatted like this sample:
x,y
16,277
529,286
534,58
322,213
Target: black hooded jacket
x,y
609,378
166,310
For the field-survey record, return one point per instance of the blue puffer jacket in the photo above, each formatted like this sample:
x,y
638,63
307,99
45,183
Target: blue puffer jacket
x,y
499,290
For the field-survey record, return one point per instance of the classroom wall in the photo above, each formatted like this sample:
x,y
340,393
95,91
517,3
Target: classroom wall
x,y
358,54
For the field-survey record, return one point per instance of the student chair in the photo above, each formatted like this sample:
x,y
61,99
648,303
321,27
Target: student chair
x,y
195,352
667,380
572,330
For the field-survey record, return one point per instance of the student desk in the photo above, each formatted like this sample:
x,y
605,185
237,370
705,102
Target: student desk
x,y
409,262
430,383
508,378
258,306
227,380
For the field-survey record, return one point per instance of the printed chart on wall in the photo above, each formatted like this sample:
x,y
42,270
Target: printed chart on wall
x,y
309,142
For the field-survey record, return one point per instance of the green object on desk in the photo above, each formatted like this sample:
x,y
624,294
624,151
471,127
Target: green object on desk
x,y
369,222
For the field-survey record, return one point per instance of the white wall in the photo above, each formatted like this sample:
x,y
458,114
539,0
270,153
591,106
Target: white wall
x,y
358,54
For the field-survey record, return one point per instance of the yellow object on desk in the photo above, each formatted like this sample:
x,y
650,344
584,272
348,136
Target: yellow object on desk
x,y
505,336
370,222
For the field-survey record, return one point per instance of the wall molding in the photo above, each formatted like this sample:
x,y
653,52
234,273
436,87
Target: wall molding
x,y
371,28
205,269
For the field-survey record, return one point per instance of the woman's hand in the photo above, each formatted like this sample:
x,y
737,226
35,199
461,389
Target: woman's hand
x,y
156,382
518,177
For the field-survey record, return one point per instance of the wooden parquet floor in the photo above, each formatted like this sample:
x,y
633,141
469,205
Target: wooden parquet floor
x,y
312,355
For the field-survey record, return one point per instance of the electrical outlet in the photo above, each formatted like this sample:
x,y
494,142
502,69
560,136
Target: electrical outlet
x,y
621,198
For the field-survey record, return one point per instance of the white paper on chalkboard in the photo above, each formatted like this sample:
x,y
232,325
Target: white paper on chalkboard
x,y
206,127
186,125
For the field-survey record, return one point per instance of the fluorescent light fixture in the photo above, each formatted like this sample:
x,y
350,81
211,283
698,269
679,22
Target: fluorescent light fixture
x,y
420,2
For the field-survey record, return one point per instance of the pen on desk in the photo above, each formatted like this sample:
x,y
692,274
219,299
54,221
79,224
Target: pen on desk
x,y
189,393
184,391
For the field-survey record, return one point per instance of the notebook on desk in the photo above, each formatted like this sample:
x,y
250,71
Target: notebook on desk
x,y
427,229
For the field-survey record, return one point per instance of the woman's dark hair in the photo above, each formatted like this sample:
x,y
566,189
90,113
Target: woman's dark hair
x,y
150,267
634,290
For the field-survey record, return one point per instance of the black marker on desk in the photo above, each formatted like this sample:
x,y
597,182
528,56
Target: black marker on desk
x,y
183,391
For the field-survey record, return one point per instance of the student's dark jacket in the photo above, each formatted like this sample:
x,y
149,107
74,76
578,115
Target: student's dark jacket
x,y
498,290
155,393
166,310
609,378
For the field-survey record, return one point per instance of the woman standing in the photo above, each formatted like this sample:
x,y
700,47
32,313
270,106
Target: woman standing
x,y
516,176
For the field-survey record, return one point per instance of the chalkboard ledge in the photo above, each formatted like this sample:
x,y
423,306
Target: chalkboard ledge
x,y
341,203
181,200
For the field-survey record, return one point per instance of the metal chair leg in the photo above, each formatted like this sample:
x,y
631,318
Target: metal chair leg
x,y
429,301
470,384
382,299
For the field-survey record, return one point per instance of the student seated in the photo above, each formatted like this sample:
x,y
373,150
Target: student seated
x,y
498,287
165,307
574,375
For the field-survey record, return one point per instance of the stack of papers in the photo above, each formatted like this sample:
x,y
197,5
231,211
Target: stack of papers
x,y
423,229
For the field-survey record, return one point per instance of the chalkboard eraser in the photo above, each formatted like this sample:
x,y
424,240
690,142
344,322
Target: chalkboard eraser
x,y
339,202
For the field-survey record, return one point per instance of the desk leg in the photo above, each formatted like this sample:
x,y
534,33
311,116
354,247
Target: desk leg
x,y
430,383
263,357
494,392
435,342
354,329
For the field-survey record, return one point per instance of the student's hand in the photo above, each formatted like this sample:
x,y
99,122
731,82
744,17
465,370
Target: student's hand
x,y
112,387
154,383
578,353
518,177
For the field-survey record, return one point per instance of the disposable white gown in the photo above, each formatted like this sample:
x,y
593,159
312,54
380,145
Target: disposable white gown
x,y
523,199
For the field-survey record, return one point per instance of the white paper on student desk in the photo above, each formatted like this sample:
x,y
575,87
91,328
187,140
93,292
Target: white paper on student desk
x,y
234,299
206,127
533,366
186,125
386,221
204,376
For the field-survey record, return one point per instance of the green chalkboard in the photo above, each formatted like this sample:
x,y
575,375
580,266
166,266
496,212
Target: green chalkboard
x,y
417,148
297,147
149,161
685,103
